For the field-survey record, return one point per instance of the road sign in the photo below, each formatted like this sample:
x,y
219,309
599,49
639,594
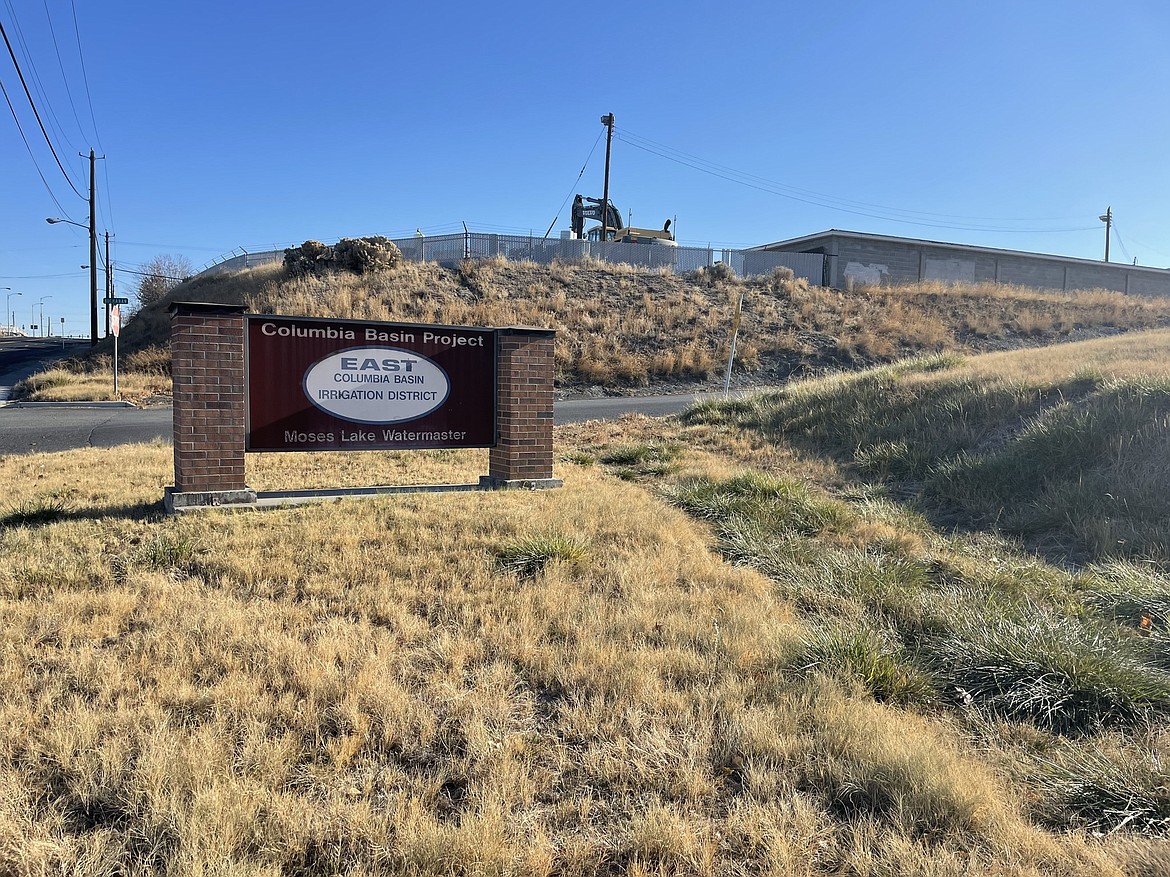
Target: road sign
x,y
116,320
116,301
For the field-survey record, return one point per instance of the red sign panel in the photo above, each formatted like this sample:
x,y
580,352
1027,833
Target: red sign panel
x,y
340,385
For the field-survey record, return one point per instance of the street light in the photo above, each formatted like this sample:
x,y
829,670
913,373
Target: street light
x,y
93,308
11,316
41,324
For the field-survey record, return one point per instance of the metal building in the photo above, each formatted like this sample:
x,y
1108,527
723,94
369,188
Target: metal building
x,y
854,257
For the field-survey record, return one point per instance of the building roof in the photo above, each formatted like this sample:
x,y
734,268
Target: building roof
x,y
833,232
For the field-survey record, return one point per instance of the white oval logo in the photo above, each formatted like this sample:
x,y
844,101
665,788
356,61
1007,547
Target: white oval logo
x,y
377,385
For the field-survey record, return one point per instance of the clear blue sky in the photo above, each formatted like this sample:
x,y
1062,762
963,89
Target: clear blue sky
x,y
261,125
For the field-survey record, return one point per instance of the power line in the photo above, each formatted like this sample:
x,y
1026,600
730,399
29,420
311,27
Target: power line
x,y
36,276
85,79
820,195
1120,242
38,86
147,274
1147,246
28,95
61,67
40,174
107,206
172,246
828,202
592,149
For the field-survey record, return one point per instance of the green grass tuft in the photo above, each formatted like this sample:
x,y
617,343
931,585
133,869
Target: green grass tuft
x,y
1048,669
34,512
878,662
529,556
1104,792
167,551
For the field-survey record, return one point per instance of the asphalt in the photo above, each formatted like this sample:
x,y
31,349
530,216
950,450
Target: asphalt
x,y
21,356
29,427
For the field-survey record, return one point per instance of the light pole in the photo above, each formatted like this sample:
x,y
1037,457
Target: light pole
x,y
41,324
93,316
7,312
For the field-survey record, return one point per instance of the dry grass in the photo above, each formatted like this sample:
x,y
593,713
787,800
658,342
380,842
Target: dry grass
x,y
623,326
761,664
382,687
1064,446
1143,353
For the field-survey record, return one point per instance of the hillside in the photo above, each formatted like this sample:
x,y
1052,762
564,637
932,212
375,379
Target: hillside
x,y
627,330
807,645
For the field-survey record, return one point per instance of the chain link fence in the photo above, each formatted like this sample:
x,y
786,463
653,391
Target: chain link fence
x,y
452,249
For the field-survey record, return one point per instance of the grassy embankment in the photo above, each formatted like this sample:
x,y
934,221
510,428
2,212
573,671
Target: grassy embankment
x,y
762,664
623,327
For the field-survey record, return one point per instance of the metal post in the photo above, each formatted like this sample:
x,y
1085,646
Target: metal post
x,y
8,312
731,346
109,278
117,332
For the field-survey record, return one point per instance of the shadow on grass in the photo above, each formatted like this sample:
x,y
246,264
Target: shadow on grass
x,y
40,513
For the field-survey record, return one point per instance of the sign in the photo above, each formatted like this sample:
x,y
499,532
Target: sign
x,y
341,385
116,320
116,301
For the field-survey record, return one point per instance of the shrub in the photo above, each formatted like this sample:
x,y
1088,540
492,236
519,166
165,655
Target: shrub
x,y
155,360
362,255
357,255
310,257
712,275
783,281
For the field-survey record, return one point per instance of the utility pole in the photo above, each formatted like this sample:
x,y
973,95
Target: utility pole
x,y
606,120
1107,218
93,265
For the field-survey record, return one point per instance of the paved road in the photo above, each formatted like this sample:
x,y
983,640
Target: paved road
x,y
58,428
21,357
32,428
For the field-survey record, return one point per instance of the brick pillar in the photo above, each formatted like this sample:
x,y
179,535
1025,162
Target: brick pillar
x,y
207,371
523,454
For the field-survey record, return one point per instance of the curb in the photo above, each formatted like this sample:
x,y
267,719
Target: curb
x,y
67,405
